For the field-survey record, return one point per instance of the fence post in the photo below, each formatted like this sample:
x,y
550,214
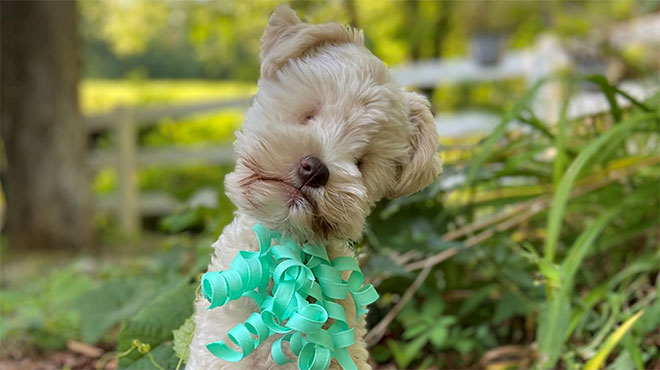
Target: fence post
x,y
128,212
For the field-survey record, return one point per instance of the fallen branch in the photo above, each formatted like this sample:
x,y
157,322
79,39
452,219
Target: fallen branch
x,y
377,332
530,208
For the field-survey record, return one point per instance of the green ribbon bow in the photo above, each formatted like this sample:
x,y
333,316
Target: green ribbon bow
x,y
297,273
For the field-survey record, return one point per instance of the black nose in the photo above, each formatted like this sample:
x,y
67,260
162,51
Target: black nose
x,y
312,172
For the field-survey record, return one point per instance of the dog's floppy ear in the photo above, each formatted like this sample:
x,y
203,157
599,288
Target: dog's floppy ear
x,y
287,37
281,24
424,164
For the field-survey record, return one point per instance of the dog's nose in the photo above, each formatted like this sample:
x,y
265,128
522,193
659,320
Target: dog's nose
x,y
312,172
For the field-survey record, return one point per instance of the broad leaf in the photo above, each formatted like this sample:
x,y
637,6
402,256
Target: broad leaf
x,y
156,321
182,338
109,304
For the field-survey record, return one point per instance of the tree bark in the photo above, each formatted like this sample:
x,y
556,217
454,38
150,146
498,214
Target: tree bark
x,y
44,136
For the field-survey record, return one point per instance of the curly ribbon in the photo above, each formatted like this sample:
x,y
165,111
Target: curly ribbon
x,y
298,273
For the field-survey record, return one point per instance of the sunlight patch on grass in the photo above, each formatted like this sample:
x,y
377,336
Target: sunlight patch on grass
x,y
99,96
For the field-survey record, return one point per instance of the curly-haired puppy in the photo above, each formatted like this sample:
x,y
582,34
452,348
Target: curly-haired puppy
x,y
328,135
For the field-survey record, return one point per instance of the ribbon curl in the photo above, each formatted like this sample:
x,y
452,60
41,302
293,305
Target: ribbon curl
x,y
297,273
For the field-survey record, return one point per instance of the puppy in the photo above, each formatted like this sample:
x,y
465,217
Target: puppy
x,y
328,135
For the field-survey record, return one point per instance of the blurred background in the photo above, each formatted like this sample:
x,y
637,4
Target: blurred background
x,y
538,246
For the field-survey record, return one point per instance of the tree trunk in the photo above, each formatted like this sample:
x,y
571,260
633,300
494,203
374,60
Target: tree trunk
x,y
44,135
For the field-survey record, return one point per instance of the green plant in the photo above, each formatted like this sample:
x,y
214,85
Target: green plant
x,y
543,240
551,238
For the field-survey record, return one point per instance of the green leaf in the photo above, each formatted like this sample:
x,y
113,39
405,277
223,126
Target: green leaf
x,y
553,323
612,340
650,321
550,271
510,305
104,307
432,308
163,355
554,319
438,336
415,331
406,353
537,124
182,338
560,140
447,320
634,351
610,93
500,130
475,300
155,323
380,353
178,222
585,306
563,191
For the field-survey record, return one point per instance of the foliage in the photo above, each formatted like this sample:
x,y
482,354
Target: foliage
x,y
553,235
39,312
182,339
156,321
597,216
211,39
553,226
147,296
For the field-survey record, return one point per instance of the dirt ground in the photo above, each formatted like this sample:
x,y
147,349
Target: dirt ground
x,y
78,356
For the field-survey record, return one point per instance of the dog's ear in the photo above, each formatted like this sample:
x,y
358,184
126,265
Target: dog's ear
x,y
281,24
287,37
424,164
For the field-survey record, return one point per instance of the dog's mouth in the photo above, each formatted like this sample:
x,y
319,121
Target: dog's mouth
x,y
299,200
296,195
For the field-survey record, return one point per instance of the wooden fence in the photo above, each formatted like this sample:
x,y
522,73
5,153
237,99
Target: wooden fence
x,y
126,158
545,58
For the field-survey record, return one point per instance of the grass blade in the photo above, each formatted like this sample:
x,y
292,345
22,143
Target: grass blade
x,y
634,350
610,94
611,90
612,340
560,140
562,193
554,327
500,130
553,323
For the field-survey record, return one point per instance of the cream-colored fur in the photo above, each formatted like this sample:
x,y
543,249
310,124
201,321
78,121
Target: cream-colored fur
x,y
321,93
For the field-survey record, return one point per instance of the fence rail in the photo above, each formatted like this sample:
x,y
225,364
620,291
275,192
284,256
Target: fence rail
x,y
148,116
128,204
169,155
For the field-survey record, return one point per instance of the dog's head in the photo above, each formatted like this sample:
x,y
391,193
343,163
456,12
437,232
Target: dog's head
x,y
329,133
